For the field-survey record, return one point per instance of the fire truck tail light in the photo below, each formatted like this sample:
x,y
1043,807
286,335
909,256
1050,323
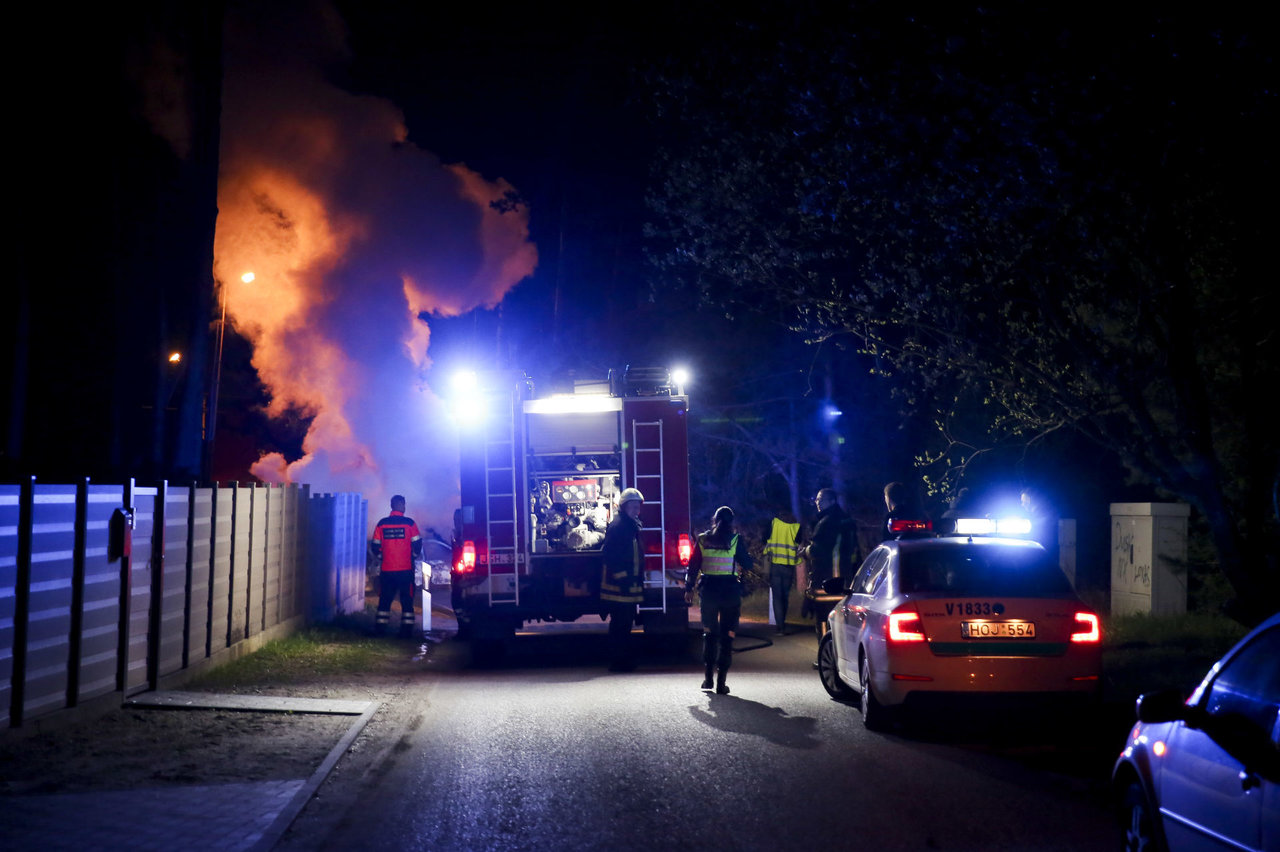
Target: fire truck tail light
x,y
685,549
905,626
1087,629
467,563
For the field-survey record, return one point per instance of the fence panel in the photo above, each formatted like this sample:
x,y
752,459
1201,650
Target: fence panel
x,y
140,568
199,575
220,566
53,530
100,625
272,563
9,497
173,596
292,553
257,558
241,547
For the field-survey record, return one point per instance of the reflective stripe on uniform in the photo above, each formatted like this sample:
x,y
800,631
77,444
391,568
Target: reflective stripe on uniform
x,y
717,562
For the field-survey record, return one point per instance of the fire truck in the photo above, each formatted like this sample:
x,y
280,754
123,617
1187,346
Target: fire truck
x,y
540,478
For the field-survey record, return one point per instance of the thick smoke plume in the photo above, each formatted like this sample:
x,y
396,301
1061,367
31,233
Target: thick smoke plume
x,y
350,231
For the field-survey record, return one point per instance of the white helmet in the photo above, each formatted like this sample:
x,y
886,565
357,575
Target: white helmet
x,y
628,495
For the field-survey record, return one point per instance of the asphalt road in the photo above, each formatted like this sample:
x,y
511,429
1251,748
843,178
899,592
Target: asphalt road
x,y
550,751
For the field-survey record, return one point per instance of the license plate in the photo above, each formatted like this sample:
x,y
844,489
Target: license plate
x,y
998,629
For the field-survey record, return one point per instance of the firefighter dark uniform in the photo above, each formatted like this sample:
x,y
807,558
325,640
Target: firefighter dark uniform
x,y
714,570
782,549
397,540
622,578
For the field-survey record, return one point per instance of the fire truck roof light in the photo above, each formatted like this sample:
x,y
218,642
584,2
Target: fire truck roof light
x,y
573,403
680,377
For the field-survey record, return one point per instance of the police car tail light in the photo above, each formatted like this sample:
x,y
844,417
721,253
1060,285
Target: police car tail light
x,y
1087,628
467,563
905,626
685,549
909,525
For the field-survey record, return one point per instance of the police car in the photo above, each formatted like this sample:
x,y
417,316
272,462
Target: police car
x,y
968,614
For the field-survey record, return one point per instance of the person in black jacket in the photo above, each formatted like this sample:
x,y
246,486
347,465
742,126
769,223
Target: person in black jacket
x,y
833,551
622,578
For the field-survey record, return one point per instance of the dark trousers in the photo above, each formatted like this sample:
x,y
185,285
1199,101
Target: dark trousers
x,y
782,578
721,609
393,583
622,617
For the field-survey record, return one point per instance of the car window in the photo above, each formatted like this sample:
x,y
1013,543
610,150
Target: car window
x,y
1249,684
1012,571
871,570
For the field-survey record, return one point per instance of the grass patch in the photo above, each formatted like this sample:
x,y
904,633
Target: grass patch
x,y
333,650
1144,653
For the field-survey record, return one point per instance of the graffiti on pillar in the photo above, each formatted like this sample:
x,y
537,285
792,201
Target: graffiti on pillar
x,y
1126,573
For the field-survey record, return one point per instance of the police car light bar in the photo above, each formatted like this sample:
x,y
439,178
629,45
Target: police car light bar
x,y
989,526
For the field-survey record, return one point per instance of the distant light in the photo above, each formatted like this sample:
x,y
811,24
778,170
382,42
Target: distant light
x,y
831,412
175,357
248,277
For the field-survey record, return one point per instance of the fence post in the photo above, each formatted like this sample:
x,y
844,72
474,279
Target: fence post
x,y
77,592
126,593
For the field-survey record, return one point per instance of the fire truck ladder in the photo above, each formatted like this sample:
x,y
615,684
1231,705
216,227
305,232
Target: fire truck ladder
x,y
501,510
646,451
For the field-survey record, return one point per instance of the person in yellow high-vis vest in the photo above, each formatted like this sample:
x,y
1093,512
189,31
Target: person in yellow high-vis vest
x,y
719,558
783,537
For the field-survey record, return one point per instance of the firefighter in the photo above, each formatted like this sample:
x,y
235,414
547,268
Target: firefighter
x,y
399,544
782,536
622,580
714,570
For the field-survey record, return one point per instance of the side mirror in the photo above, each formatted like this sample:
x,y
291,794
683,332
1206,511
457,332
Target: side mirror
x,y
1168,705
833,586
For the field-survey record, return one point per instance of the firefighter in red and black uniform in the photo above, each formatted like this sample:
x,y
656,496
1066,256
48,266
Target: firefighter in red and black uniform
x,y
396,539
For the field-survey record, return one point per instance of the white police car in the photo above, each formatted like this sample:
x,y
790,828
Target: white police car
x,y
1205,773
958,616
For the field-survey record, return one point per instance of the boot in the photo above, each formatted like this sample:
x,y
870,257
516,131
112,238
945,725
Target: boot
x,y
706,681
721,687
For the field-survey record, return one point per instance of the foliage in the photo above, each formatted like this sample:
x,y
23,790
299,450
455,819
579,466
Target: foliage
x,y
333,650
1022,238
1146,653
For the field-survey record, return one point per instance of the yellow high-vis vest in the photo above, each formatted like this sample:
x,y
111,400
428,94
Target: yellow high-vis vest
x,y
781,548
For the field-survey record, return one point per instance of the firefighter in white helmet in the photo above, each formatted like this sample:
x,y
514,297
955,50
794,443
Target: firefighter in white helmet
x,y
622,582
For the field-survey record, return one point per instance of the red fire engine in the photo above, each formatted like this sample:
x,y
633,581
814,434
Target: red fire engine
x,y
540,477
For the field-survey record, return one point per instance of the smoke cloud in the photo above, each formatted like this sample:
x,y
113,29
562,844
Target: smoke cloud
x,y
350,231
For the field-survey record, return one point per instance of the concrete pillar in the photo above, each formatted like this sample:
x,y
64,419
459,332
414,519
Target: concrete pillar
x,y
1149,558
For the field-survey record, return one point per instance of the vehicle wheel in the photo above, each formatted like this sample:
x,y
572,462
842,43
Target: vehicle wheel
x,y
1137,822
827,669
874,714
